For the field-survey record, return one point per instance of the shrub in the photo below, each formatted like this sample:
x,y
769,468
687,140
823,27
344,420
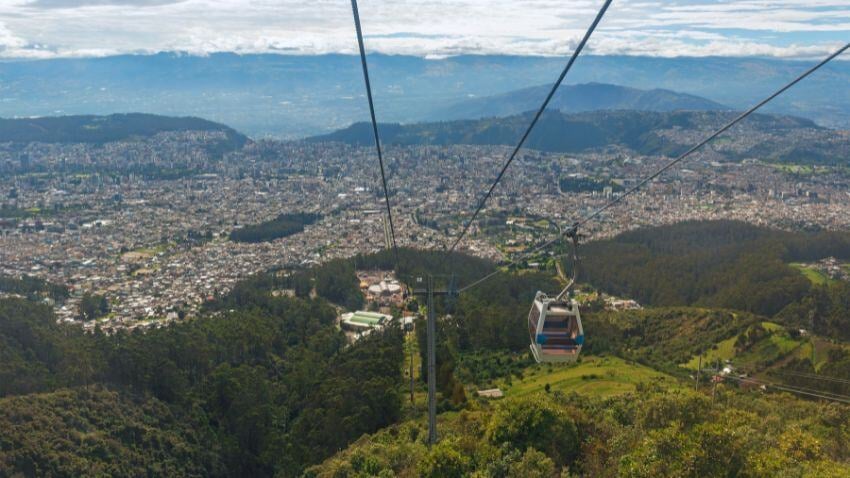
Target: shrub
x,y
536,422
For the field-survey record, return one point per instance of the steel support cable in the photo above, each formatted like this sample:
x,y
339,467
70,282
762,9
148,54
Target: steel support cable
x,y
806,389
717,133
574,228
812,376
534,120
788,389
374,125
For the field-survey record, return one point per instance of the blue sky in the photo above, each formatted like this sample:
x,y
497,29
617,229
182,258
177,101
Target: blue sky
x,y
430,28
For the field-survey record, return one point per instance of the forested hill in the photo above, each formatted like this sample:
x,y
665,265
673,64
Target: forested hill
x,y
263,384
726,264
576,98
105,129
770,137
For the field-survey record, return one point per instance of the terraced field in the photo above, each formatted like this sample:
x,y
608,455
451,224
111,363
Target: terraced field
x,y
598,376
768,350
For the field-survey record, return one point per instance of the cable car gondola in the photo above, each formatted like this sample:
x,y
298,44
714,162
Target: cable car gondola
x,y
555,328
554,323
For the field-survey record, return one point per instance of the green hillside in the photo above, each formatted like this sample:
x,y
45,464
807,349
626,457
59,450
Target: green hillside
x,y
259,390
94,431
756,348
725,264
261,385
655,432
784,139
815,277
104,129
594,376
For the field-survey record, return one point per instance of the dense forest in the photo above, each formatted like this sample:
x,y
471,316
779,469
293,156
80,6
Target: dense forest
x,y
724,264
334,281
255,390
283,225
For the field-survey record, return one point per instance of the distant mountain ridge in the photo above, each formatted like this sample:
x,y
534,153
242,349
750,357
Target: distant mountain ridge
x,y
104,129
577,98
783,138
292,96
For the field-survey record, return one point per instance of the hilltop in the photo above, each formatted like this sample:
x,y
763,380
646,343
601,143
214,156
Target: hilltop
x,y
576,98
776,138
105,129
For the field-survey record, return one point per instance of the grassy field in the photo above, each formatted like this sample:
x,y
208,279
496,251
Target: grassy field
x,y
815,277
822,349
769,350
802,169
776,345
725,351
599,376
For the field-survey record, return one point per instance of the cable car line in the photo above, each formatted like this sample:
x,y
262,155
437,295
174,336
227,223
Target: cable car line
x,y
840,398
812,376
534,120
717,133
374,125
594,215
554,323
807,389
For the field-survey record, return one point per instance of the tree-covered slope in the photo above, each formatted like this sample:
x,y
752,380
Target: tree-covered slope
x,y
104,129
268,384
655,432
94,431
725,264
773,138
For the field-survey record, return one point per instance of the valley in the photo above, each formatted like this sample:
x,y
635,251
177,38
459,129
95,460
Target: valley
x,y
417,239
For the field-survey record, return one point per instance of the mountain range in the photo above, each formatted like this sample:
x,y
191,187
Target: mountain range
x,y
289,96
576,98
771,137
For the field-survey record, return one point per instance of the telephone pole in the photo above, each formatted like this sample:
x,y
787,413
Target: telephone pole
x,y
699,370
412,351
715,379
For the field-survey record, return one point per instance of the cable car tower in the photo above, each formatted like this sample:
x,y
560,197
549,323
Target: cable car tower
x,y
426,287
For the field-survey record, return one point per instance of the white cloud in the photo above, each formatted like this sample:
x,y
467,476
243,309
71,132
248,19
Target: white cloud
x,y
781,28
